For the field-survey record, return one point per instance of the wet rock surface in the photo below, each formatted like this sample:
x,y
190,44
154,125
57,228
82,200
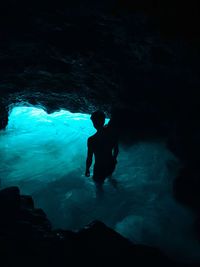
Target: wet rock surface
x,y
26,238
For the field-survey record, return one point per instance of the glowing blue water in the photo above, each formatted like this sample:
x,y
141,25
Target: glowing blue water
x,y
44,154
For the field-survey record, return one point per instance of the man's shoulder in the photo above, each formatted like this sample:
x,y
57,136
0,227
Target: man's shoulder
x,y
92,138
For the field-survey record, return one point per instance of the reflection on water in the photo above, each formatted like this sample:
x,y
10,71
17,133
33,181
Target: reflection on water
x,y
44,154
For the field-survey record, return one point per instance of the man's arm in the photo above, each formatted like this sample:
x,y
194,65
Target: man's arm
x,y
89,158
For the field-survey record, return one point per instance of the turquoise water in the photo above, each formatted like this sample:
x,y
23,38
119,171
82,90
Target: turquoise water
x,y
44,154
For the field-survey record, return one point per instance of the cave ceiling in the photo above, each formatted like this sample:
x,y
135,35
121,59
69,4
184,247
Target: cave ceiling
x,y
141,57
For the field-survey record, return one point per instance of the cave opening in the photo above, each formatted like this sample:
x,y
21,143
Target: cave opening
x,y
44,154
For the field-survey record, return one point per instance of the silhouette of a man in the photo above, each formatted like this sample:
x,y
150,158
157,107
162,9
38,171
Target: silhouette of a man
x,y
104,146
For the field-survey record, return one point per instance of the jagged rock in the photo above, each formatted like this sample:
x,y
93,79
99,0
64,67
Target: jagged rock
x,y
3,115
26,202
96,244
18,215
104,243
9,204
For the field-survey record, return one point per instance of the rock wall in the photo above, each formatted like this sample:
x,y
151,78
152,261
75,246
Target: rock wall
x,y
26,238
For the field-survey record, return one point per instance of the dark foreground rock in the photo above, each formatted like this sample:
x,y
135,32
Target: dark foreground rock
x,y
26,239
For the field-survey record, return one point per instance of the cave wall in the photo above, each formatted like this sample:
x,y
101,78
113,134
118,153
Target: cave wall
x,y
140,57
136,60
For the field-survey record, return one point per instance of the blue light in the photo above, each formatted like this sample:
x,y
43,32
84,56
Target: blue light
x,y
44,154
43,146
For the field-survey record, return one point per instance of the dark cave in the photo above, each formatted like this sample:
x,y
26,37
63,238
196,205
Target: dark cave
x,y
138,62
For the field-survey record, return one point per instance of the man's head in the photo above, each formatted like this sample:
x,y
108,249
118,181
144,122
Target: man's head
x,y
98,119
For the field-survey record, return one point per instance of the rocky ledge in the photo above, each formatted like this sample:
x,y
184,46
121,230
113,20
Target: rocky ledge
x,y
27,238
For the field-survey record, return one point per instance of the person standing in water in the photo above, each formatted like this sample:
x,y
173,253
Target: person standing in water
x,y
104,146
